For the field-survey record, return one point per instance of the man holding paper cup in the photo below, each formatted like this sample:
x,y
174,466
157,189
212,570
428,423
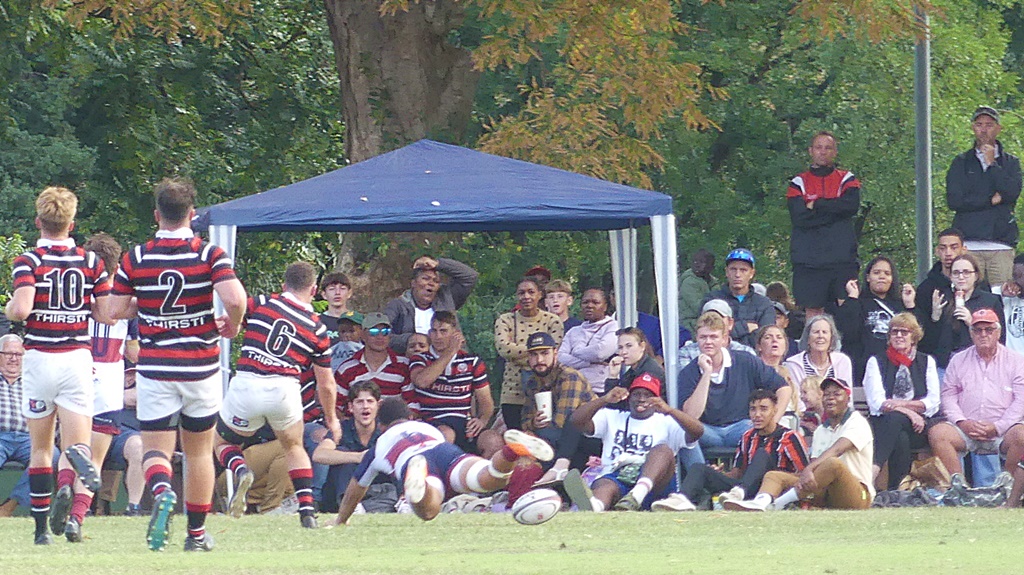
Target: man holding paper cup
x,y
552,392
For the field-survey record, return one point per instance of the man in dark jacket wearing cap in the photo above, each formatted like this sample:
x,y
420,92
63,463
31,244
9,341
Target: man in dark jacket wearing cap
x,y
750,310
982,187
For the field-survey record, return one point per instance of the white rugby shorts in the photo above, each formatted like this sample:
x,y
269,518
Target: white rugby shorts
x,y
253,400
158,398
52,379
108,387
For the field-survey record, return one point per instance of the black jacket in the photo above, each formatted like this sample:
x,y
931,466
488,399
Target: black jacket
x,y
969,191
824,236
864,324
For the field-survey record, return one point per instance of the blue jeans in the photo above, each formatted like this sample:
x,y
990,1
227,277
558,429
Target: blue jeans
x,y
725,436
15,446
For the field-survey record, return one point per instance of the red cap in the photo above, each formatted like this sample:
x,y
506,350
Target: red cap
x,y
984,315
648,382
836,382
538,271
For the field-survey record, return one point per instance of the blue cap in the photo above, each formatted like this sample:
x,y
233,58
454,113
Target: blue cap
x,y
740,254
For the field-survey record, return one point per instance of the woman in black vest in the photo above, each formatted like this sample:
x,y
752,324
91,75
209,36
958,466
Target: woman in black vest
x,y
901,386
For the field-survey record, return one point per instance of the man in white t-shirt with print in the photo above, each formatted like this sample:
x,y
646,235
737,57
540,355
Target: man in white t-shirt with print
x,y
638,447
1012,293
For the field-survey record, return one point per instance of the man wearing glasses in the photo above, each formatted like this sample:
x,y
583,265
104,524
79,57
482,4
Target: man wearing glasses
x,y
376,362
14,441
982,399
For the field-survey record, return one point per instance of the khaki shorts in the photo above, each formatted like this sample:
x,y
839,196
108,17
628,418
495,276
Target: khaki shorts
x,y
52,379
253,400
158,398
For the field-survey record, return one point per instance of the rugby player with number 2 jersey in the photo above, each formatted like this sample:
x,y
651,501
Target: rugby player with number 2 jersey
x,y
170,281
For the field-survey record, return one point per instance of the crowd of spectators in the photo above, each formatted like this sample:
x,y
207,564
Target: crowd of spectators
x,y
821,401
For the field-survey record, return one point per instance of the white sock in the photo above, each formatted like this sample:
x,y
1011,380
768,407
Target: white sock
x,y
763,499
786,498
596,504
641,489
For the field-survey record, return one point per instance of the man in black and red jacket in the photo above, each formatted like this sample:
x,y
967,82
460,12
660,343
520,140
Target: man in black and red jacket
x,y
823,202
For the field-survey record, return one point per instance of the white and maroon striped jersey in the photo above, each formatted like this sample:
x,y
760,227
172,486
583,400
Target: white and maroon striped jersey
x,y
394,449
392,377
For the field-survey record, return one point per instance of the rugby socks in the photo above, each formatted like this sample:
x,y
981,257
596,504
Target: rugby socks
x,y
66,477
40,486
785,499
230,456
302,480
197,519
158,478
81,504
642,488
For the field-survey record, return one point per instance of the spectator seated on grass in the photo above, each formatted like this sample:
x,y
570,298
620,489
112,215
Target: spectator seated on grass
x,y
568,391
839,475
412,311
267,459
638,460
451,391
588,346
982,399
765,447
359,434
715,387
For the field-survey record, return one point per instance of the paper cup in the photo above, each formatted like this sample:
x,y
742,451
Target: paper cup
x,y
543,399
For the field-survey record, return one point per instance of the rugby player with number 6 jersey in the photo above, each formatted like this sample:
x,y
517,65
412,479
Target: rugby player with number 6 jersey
x,y
170,281
283,338
56,288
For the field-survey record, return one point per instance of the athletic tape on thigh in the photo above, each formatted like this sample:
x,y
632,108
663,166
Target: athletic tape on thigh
x,y
473,479
455,477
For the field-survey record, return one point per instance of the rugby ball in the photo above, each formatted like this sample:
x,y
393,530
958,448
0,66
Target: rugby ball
x,y
536,507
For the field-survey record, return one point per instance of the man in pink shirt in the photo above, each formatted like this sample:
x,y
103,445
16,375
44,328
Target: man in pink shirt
x,y
982,398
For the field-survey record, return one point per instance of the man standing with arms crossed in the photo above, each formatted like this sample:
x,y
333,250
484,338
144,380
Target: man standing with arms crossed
x,y
173,278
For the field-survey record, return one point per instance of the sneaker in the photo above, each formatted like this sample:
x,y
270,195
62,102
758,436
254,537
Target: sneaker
x,y
736,493
43,538
627,503
415,481
204,543
526,445
309,522
243,481
577,490
289,506
741,505
84,468
160,521
132,510
73,531
674,502
59,510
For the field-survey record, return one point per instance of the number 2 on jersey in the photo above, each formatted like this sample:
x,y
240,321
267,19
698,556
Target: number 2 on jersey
x,y
175,282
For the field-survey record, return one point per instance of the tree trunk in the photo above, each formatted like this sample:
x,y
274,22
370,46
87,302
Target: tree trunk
x,y
400,79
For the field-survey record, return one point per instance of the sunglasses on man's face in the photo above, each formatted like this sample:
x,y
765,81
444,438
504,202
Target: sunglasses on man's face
x,y
379,331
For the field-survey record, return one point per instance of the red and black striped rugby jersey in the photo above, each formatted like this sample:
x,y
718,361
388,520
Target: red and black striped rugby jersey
x,y
788,446
452,392
173,279
283,336
66,278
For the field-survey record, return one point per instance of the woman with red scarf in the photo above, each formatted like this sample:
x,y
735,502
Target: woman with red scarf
x,y
902,390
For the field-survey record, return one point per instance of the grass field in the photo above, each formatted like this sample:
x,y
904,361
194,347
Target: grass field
x,y
932,541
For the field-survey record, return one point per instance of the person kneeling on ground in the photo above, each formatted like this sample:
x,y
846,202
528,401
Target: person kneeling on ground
x,y
427,464
839,475
765,447
639,447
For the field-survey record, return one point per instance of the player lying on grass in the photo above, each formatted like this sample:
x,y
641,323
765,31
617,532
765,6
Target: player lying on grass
x,y
639,446
283,337
431,468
